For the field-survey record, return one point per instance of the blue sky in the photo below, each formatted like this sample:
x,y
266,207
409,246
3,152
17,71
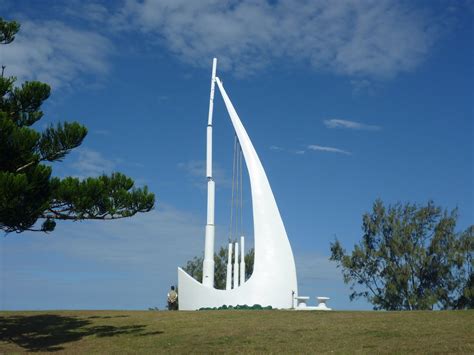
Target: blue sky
x,y
345,102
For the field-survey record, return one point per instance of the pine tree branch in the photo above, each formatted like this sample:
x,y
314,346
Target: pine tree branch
x,y
89,216
27,165
37,161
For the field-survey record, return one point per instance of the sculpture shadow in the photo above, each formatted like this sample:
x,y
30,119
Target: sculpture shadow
x,y
49,332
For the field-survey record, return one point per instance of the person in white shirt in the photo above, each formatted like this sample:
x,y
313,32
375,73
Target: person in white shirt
x,y
172,299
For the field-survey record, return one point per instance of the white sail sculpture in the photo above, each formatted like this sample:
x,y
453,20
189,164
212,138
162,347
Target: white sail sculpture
x,y
273,281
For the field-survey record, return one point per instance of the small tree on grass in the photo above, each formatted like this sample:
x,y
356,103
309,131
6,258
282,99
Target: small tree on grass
x,y
194,267
410,258
28,192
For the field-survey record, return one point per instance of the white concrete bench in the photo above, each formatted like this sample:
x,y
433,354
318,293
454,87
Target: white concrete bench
x,y
322,303
301,301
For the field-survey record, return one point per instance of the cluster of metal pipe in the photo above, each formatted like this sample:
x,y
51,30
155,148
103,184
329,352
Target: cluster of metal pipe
x,y
236,278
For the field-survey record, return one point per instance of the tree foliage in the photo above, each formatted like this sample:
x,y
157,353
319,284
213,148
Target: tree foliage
x,y
410,258
194,267
8,30
28,192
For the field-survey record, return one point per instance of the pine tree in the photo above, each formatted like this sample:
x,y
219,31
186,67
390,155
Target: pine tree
x,y
410,258
29,194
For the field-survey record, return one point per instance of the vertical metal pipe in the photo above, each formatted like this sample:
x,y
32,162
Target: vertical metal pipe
x,y
228,283
242,260
209,121
211,192
208,263
236,265
209,152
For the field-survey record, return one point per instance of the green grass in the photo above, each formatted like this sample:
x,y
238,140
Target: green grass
x,y
237,331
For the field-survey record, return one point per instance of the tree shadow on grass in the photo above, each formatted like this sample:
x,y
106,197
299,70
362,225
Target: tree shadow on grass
x,y
48,332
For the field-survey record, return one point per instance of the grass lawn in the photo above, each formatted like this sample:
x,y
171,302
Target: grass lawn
x,y
237,331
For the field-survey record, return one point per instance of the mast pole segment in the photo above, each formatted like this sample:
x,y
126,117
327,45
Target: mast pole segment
x,y
211,99
209,121
208,263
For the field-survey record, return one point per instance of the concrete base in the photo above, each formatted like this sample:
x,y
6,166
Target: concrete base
x,y
301,302
322,303
313,308
302,306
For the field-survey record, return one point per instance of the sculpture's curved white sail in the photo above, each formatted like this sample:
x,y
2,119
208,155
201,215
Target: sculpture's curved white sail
x,y
273,282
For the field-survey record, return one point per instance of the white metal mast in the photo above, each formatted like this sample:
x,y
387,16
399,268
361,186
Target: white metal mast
x,y
208,264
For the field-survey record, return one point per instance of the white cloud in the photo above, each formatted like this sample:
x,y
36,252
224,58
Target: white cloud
x,y
337,123
276,148
196,170
362,39
309,147
363,86
299,152
89,11
292,151
91,163
358,38
153,238
313,267
55,53
328,149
